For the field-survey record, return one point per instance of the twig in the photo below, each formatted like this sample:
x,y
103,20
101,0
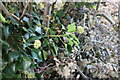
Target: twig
x,y
2,7
24,10
84,76
106,17
52,12
98,4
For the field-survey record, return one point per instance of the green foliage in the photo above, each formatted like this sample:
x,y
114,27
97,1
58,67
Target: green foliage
x,y
2,19
19,41
71,28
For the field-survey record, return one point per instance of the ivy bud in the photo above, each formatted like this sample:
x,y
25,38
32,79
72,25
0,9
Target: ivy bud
x,y
46,29
37,44
80,29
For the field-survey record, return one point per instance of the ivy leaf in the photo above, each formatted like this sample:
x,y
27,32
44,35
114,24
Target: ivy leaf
x,y
60,13
71,28
36,53
70,42
13,56
26,45
74,37
69,48
26,20
9,71
26,62
45,43
25,29
53,54
40,55
75,42
45,54
6,31
5,43
33,38
55,48
38,29
2,19
36,21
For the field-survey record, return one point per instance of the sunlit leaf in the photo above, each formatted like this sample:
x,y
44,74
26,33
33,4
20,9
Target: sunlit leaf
x,y
2,19
45,54
25,29
71,28
70,41
38,29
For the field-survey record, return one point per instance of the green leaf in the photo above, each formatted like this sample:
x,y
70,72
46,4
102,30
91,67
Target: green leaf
x,y
70,42
26,20
71,28
54,47
26,45
5,43
45,43
76,43
18,76
25,29
40,55
9,71
2,19
36,21
24,64
74,37
69,48
33,38
53,54
45,54
38,29
60,13
63,27
52,32
6,31
13,56
34,55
